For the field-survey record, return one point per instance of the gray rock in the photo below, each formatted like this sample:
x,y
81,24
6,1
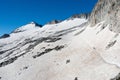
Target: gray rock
x,y
54,22
84,15
5,36
36,24
117,77
108,11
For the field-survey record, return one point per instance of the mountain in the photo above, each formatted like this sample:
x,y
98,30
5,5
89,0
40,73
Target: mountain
x,y
29,26
84,15
5,36
108,11
54,22
75,49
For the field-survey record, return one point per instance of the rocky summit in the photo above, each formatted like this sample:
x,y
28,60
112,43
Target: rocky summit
x,y
109,12
54,22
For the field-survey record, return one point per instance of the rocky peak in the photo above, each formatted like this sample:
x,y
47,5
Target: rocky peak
x,y
108,11
26,27
54,22
5,36
32,22
84,15
35,24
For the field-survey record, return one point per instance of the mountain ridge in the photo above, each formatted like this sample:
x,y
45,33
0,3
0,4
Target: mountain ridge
x,y
73,49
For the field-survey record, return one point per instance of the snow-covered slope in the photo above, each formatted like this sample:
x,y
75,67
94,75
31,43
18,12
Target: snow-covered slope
x,y
28,45
70,50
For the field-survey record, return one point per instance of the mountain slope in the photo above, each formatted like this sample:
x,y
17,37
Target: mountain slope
x,y
108,11
29,43
74,49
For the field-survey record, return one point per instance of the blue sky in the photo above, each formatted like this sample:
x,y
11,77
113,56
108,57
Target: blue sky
x,y
15,13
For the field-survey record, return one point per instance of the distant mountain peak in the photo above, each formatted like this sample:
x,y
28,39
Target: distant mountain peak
x,y
107,11
35,24
5,36
54,21
32,22
28,26
83,15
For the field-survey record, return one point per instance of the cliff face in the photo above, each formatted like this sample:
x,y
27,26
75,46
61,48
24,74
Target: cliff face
x,y
108,11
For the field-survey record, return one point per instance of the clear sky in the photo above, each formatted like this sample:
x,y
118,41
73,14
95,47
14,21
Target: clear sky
x,y
15,13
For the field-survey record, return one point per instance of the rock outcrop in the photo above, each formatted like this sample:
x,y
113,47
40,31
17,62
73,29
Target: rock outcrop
x,y
36,24
84,15
54,22
5,36
108,11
